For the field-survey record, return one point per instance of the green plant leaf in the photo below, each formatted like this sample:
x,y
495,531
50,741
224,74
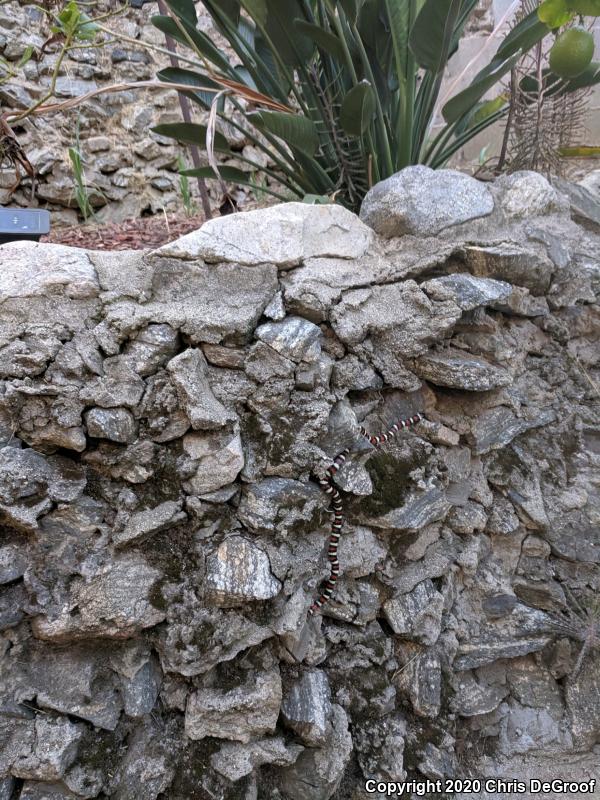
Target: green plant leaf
x,y
188,76
230,8
480,112
257,9
296,130
324,39
292,47
554,13
432,33
464,101
358,109
230,174
528,32
191,133
201,41
184,9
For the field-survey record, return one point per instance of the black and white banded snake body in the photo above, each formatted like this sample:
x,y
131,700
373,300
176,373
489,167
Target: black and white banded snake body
x,y
326,482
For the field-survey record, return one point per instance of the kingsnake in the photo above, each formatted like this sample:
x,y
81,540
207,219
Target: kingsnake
x,y
326,483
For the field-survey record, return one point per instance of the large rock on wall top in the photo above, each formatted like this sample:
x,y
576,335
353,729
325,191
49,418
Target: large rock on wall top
x,y
162,419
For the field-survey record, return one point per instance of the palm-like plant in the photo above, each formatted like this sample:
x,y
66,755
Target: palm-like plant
x,y
338,93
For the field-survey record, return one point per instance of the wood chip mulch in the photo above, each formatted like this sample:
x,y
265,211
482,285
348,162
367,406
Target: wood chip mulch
x,y
144,233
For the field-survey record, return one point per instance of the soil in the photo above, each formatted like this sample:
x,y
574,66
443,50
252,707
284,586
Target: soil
x,y
144,233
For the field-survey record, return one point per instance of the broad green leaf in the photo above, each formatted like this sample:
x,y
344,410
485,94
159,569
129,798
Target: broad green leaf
x,y
230,174
357,110
554,85
231,9
554,13
296,130
191,133
464,101
184,9
582,151
292,46
201,41
257,9
324,39
188,76
529,31
432,33
481,112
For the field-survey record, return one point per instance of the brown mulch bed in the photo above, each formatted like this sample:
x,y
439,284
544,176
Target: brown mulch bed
x,y
144,233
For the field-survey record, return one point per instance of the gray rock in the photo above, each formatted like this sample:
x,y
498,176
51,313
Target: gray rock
x,y
421,201
279,504
583,706
497,427
30,483
585,206
120,386
307,709
12,563
13,600
502,519
527,194
240,714
472,698
197,638
71,681
421,680
318,772
140,690
380,747
143,524
234,760
238,572
285,236
7,787
399,318
478,652
468,291
312,289
114,603
523,265
522,304
418,511
152,348
148,766
189,373
34,790
51,749
293,338
221,356
467,518
115,424
219,457
457,369
417,615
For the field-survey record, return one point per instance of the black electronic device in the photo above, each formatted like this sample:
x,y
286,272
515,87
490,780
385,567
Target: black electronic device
x,y
23,223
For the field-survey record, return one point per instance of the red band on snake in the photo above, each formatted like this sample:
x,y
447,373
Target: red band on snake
x,y
326,483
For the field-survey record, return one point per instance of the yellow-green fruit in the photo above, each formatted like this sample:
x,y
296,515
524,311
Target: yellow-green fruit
x,y
571,53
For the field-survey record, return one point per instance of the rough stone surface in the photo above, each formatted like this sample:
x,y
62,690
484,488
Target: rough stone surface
x,y
239,572
156,571
421,201
242,713
282,235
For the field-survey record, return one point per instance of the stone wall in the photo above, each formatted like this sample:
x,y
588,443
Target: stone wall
x,y
162,416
